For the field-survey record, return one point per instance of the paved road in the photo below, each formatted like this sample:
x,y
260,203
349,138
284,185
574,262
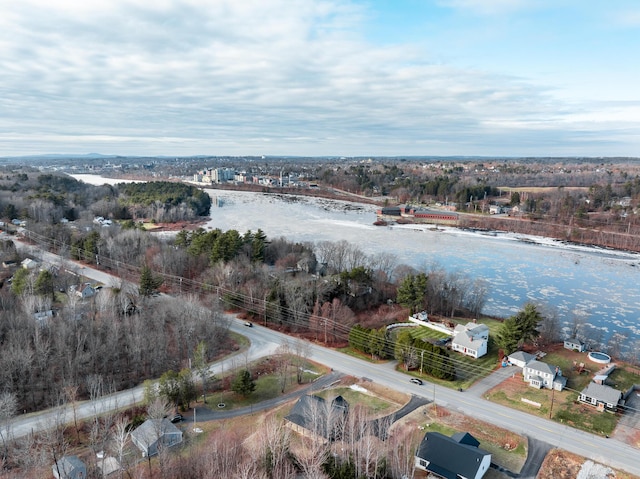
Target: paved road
x,y
264,342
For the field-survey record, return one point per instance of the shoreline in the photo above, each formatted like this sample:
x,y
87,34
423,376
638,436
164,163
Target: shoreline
x,y
549,241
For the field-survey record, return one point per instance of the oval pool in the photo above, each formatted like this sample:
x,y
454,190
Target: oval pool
x,y
598,357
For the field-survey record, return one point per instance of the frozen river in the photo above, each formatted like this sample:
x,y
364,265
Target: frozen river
x,y
601,286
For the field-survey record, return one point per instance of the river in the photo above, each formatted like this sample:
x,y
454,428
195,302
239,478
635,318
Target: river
x,y
599,285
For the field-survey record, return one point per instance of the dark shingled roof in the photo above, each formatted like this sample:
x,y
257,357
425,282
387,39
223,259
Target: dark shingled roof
x,y
450,456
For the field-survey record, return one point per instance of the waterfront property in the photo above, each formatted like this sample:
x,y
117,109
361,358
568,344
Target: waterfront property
x,y
602,397
471,339
418,215
542,375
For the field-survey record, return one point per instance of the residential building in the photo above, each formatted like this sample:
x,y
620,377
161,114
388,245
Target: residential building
x,y
313,416
542,375
455,457
69,467
520,358
604,398
154,434
574,344
471,339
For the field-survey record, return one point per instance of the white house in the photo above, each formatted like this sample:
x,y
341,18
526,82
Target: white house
x,y
471,339
574,344
520,358
542,375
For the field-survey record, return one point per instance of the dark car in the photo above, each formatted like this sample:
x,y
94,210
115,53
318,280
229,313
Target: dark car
x,y
176,418
416,381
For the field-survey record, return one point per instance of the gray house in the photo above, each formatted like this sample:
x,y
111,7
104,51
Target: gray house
x,y
154,434
604,398
69,467
313,416
455,457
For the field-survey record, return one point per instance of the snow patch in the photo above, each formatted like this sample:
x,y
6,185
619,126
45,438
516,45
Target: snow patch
x,y
357,388
591,470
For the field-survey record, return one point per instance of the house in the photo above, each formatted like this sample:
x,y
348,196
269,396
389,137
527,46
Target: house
x,y
574,344
42,317
108,465
520,358
312,415
495,209
83,290
471,339
29,263
452,457
69,467
543,375
604,398
154,434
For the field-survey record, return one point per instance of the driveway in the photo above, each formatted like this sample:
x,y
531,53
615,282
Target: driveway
x,y
629,424
492,380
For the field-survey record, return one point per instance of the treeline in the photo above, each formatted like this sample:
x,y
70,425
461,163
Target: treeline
x,y
147,199
47,198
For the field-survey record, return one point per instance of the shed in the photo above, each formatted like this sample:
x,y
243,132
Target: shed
x,y
574,344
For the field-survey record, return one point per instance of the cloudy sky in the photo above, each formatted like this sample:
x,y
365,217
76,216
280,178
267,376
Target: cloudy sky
x,y
320,77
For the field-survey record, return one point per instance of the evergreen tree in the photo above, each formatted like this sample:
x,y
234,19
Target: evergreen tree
x,y
243,384
519,329
148,282
44,284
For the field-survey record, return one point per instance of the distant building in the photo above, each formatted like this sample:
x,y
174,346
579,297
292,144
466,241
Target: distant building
x,y
574,344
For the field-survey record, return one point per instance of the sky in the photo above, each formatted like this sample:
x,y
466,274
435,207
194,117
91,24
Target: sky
x,y
320,77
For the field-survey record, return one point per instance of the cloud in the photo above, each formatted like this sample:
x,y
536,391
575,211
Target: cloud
x,y
488,7
248,77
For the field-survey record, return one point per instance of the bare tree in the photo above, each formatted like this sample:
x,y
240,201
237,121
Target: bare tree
x,y
8,406
120,440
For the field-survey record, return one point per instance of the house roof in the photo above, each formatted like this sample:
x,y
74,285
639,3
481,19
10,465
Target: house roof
x,y
521,356
602,393
108,465
451,456
150,430
310,412
542,367
467,340
68,464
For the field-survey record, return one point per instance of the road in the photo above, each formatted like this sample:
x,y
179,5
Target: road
x,y
264,343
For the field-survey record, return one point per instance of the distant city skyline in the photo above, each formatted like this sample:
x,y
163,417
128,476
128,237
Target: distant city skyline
x,y
320,77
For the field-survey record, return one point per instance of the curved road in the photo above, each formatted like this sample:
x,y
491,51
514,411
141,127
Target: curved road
x,y
265,341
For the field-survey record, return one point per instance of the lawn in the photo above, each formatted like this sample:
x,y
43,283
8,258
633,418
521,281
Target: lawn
x,y
507,448
268,385
374,405
562,406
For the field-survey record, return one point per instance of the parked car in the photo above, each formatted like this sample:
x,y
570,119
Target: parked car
x,y
416,381
176,418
